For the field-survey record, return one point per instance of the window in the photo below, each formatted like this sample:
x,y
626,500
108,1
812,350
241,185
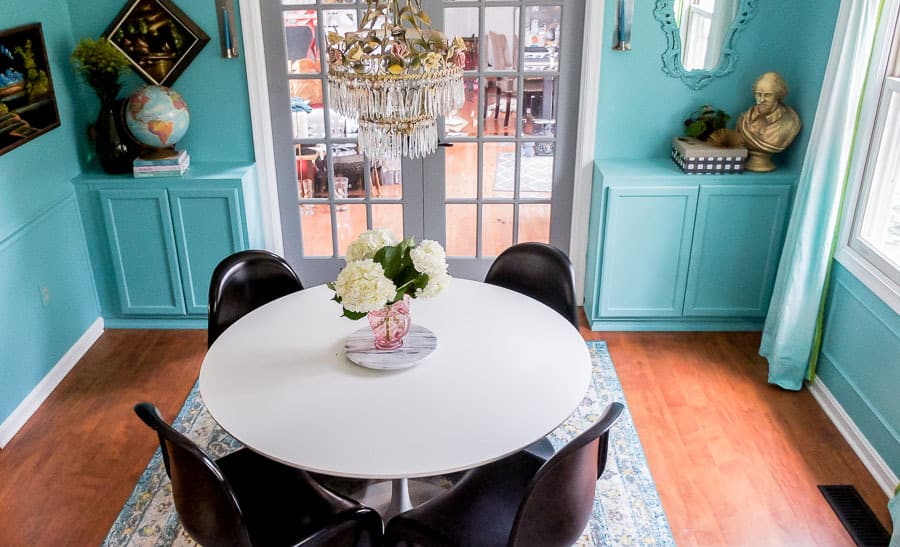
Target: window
x,y
873,243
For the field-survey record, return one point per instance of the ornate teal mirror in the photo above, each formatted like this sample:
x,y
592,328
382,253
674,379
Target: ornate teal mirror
x,y
701,36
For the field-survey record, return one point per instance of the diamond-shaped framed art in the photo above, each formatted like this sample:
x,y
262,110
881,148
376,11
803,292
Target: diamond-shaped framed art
x,y
157,37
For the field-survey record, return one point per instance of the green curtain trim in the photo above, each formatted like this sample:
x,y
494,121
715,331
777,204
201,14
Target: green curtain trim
x,y
820,319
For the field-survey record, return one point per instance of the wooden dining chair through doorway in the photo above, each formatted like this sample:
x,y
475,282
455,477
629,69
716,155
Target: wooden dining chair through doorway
x,y
503,86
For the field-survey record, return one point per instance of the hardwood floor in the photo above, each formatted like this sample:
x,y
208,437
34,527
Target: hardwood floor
x,y
66,475
736,461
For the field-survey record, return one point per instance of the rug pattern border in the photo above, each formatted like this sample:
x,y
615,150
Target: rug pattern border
x,y
627,462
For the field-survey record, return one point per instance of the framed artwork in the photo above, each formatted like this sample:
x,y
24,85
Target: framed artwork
x,y
158,39
27,100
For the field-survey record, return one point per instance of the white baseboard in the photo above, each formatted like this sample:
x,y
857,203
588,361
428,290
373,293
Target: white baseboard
x,y
876,465
33,401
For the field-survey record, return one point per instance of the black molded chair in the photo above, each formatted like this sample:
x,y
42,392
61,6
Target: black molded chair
x,y
517,501
246,499
243,282
540,271
544,273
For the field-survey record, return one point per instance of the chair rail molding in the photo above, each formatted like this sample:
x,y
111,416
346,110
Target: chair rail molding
x,y
586,137
14,422
260,122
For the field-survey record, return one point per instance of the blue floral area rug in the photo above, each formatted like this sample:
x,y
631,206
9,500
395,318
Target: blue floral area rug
x,y
627,509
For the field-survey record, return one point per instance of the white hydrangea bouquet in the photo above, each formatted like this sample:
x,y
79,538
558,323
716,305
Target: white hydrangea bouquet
x,y
381,272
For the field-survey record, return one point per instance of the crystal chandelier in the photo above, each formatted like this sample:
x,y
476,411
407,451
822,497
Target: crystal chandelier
x,y
396,75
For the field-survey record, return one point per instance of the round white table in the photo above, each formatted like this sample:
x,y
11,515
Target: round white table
x,y
507,370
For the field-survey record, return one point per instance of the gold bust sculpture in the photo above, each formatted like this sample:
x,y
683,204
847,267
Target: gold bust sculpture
x,y
769,126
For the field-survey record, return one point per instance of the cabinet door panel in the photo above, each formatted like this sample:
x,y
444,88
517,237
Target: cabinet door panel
x,y
142,245
737,245
208,227
645,253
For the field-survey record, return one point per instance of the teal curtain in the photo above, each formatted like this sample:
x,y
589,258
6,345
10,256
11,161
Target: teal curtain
x,y
791,335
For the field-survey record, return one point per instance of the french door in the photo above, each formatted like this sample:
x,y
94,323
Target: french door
x,y
504,173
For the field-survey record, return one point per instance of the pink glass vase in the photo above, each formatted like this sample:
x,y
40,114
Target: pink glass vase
x,y
390,324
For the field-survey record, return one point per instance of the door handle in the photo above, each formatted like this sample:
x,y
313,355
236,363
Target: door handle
x,y
445,144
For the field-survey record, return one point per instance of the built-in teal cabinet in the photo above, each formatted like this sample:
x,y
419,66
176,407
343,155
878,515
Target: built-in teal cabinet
x,y
670,251
645,263
737,245
155,242
208,226
141,243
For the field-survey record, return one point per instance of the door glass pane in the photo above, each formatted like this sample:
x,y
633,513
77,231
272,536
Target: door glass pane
x,y
299,40
349,177
542,37
342,127
534,222
499,169
307,111
297,2
463,22
461,171
462,228
386,179
315,227
389,217
306,156
536,170
312,168
464,122
501,29
539,96
351,221
341,21
497,225
500,98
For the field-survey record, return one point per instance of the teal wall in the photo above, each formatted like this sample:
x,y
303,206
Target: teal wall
x,y
860,361
41,237
641,108
41,240
214,88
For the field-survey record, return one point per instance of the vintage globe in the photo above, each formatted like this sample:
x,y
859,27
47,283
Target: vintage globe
x,y
157,116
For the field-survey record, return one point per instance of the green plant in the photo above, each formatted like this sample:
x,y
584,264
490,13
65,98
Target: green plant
x,y
703,121
100,63
380,271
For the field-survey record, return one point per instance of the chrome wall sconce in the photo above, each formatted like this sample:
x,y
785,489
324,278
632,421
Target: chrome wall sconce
x,y
624,19
227,37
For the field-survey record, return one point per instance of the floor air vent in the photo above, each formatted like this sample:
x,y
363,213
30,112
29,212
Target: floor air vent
x,y
856,516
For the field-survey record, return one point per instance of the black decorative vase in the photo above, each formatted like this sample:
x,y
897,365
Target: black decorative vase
x,y
115,148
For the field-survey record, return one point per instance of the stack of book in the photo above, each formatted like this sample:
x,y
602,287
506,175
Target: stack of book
x,y
168,167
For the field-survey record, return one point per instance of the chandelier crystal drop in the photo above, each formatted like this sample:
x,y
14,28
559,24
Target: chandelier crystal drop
x,y
397,75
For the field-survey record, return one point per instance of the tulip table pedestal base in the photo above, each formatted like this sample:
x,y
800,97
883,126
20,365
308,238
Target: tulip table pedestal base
x,y
395,496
